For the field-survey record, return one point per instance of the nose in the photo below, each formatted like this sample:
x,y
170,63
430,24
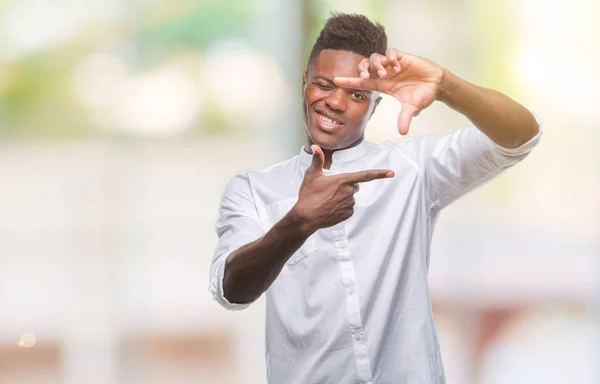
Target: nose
x,y
337,100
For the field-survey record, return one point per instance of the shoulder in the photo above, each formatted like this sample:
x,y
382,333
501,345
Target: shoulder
x,y
272,172
244,182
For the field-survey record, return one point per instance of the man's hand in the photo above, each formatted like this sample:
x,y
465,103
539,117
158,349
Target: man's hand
x,y
324,201
411,79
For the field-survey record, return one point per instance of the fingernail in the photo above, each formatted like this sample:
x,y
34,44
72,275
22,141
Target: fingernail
x,y
381,72
390,174
397,68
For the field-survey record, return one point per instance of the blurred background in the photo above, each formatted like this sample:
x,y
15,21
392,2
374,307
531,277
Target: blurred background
x,y
122,121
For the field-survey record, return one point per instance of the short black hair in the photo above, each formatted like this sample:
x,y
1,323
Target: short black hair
x,y
350,32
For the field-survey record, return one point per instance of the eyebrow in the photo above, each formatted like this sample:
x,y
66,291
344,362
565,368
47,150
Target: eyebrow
x,y
327,79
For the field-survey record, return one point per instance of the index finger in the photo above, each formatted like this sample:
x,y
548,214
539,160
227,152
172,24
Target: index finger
x,y
364,176
357,83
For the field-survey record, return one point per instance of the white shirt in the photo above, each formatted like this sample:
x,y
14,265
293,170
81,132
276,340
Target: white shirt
x,y
352,304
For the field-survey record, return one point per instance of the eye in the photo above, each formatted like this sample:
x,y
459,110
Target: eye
x,y
358,96
323,86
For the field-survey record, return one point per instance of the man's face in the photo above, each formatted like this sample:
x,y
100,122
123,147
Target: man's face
x,y
334,117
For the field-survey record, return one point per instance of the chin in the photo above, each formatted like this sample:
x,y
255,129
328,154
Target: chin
x,y
326,141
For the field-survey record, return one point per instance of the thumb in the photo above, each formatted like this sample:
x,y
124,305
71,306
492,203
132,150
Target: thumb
x,y
405,117
318,159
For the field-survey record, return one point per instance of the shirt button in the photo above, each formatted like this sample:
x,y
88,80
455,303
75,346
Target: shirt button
x,y
357,335
351,291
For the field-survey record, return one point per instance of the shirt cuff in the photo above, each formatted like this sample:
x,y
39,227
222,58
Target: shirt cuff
x,y
216,288
524,148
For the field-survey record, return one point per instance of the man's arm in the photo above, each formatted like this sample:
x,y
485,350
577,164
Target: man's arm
x,y
323,201
500,118
252,268
417,82
457,163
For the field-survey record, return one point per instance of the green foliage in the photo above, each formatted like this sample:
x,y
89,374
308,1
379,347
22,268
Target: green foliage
x,y
200,26
37,100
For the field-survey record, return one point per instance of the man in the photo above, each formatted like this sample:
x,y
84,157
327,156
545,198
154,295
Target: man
x,y
339,236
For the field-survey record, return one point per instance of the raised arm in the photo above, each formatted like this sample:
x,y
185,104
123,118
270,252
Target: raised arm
x,y
503,120
417,82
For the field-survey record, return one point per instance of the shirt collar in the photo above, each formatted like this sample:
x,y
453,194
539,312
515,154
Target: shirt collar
x,y
339,156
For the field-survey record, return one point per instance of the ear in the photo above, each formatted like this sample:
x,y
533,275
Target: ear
x,y
304,82
377,101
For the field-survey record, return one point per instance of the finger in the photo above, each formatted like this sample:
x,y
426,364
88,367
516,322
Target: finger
x,y
348,189
399,54
363,69
318,159
378,63
405,117
392,58
347,213
364,176
357,83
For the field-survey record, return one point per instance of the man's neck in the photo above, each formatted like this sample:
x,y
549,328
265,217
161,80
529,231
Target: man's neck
x,y
328,158
329,152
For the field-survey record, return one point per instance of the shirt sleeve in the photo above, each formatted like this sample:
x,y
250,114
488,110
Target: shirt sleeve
x,y
454,164
238,224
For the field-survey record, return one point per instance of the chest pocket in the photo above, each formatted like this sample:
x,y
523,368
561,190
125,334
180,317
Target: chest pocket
x,y
274,213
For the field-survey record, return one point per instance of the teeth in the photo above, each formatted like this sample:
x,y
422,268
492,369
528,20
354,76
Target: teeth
x,y
327,119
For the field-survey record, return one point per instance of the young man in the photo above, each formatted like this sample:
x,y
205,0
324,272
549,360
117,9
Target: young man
x,y
345,268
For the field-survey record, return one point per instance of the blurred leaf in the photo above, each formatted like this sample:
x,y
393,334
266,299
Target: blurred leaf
x,y
38,101
200,27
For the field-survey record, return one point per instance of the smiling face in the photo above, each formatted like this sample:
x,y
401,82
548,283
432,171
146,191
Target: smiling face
x,y
334,118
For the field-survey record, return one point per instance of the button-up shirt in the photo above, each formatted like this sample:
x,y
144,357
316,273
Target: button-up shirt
x,y
352,305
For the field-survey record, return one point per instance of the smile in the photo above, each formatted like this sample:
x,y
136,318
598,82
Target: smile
x,y
326,123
